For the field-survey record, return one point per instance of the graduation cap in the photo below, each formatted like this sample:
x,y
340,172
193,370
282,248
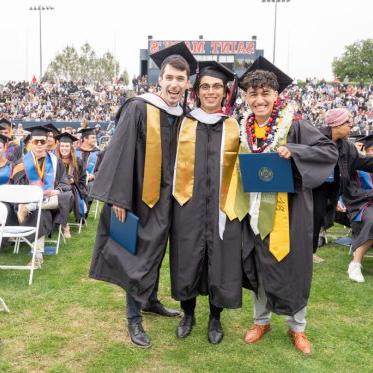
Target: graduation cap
x,y
86,131
179,49
261,63
38,131
52,128
5,123
367,141
3,139
66,137
356,138
216,70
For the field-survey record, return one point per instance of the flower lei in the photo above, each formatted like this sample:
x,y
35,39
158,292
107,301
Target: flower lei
x,y
278,125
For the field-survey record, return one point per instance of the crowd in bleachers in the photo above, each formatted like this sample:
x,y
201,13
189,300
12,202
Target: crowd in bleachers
x,y
76,100
62,100
314,98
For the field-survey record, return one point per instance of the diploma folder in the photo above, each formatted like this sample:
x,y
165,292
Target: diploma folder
x,y
266,172
125,234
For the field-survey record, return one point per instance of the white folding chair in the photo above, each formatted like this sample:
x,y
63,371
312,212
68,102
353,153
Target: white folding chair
x,y
79,225
58,240
97,208
3,216
17,194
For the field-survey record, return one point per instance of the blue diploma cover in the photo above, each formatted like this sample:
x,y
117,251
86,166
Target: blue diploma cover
x,y
266,172
125,234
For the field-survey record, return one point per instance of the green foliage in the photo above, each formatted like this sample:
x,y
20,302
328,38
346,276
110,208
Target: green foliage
x,y
356,63
66,322
86,65
124,77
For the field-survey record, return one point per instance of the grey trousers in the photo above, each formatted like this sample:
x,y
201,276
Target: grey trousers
x,y
262,316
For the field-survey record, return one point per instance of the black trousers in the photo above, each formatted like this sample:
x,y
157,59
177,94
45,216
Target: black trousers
x,y
320,201
189,306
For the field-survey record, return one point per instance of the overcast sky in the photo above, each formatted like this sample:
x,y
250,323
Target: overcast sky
x,y
309,32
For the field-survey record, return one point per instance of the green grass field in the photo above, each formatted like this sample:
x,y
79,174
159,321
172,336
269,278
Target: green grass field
x,y
66,322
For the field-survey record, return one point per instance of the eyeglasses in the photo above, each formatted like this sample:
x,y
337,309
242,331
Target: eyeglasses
x,y
36,142
348,123
215,87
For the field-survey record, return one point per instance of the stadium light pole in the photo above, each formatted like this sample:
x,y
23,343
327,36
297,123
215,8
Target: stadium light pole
x,y
274,31
40,8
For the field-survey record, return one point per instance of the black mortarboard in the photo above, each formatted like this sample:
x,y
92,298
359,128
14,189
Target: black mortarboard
x,y
4,139
216,70
38,131
66,137
367,141
263,64
355,137
52,128
5,123
87,131
179,49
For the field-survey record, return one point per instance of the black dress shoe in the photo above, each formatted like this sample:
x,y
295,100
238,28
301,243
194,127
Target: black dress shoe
x,y
215,331
185,326
159,309
138,335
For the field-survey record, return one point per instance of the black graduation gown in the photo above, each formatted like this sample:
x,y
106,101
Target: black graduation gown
x,y
287,283
50,218
325,199
119,182
200,262
78,188
355,197
84,158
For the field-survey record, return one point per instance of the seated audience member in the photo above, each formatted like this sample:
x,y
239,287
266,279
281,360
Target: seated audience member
x,y
14,151
6,166
76,176
88,152
51,140
6,169
39,167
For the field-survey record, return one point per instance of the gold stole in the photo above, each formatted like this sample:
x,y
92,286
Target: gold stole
x,y
184,171
153,157
279,238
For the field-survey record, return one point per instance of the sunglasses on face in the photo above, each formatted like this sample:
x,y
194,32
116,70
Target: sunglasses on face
x,y
36,142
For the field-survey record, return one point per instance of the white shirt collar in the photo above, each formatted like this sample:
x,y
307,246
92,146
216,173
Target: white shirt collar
x,y
157,101
204,117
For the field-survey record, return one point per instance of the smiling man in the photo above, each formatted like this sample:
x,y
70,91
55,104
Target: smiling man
x,y
136,175
281,223
206,234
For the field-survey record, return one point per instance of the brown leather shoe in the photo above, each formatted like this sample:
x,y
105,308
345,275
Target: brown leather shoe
x,y
256,333
301,342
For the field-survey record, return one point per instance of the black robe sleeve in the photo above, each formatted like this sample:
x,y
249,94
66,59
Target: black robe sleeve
x,y
114,180
61,183
313,154
82,180
360,161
